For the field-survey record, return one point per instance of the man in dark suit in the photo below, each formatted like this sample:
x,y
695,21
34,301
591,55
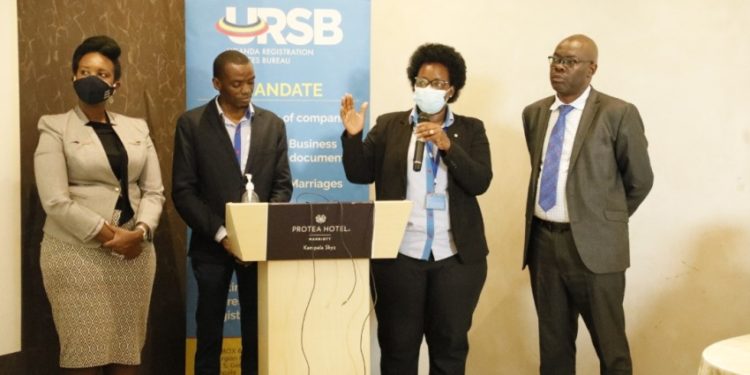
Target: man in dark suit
x,y
590,170
216,145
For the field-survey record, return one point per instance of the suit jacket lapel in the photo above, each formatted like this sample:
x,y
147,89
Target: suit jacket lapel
x,y
129,139
82,133
124,132
86,135
257,127
541,132
587,119
401,143
453,132
397,148
217,129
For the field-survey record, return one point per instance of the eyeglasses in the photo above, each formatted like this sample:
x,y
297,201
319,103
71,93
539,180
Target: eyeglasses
x,y
567,62
438,84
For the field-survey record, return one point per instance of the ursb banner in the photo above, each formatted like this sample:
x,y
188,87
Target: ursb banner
x,y
306,56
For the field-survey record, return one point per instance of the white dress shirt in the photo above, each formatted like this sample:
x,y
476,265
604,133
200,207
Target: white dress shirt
x,y
559,212
231,128
244,125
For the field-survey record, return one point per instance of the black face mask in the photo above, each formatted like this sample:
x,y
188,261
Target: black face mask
x,y
92,89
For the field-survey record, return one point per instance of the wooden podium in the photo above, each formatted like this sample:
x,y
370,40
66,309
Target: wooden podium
x,y
314,301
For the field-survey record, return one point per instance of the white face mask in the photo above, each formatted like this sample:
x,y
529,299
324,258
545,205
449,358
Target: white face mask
x,y
429,100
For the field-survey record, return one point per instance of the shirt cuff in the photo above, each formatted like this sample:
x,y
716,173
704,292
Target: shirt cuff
x,y
220,234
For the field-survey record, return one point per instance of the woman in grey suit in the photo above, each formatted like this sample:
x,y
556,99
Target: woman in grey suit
x,y
100,184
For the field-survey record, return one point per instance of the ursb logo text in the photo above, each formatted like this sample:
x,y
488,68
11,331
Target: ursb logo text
x,y
298,26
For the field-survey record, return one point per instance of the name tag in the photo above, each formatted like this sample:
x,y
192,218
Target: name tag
x,y
435,201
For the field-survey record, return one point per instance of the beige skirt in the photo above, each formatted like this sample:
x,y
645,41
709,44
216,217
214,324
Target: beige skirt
x,y
99,302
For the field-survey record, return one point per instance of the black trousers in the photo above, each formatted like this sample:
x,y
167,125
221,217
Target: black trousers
x,y
435,300
213,287
563,289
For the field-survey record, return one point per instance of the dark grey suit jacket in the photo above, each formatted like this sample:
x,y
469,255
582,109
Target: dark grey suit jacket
x,y
608,178
206,174
382,158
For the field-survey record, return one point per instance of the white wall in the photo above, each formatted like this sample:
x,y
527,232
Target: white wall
x,y
10,184
686,66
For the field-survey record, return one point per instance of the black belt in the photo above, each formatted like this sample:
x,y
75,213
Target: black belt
x,y
551,225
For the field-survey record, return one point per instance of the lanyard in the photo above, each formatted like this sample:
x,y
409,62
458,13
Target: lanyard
x,y
435,167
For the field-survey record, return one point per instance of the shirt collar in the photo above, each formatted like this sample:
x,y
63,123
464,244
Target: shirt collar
x,y
248,114
579,103
414,116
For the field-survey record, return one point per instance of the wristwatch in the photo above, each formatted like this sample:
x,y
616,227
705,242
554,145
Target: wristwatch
x,y
146,232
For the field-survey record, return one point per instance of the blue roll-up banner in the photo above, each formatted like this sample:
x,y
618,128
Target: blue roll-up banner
x,y
306,56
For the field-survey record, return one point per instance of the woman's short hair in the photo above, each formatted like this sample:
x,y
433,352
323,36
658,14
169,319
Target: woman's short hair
x,y
102,44
442,54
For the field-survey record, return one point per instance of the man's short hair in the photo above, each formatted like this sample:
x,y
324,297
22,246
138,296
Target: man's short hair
x,y
228,57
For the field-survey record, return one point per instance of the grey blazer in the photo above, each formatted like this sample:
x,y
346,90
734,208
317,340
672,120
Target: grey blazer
x,y
608,178
77,186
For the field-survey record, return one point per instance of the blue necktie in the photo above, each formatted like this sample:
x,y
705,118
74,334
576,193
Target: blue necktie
x,y
238,144
548,186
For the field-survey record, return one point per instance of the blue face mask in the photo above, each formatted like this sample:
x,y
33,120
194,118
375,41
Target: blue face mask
x,y
92,89
429,100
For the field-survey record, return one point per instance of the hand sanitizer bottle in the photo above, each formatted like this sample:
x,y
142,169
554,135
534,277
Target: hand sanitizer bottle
x,y
250,195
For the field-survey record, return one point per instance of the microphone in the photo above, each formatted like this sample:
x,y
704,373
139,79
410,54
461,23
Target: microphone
x,y
419,146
